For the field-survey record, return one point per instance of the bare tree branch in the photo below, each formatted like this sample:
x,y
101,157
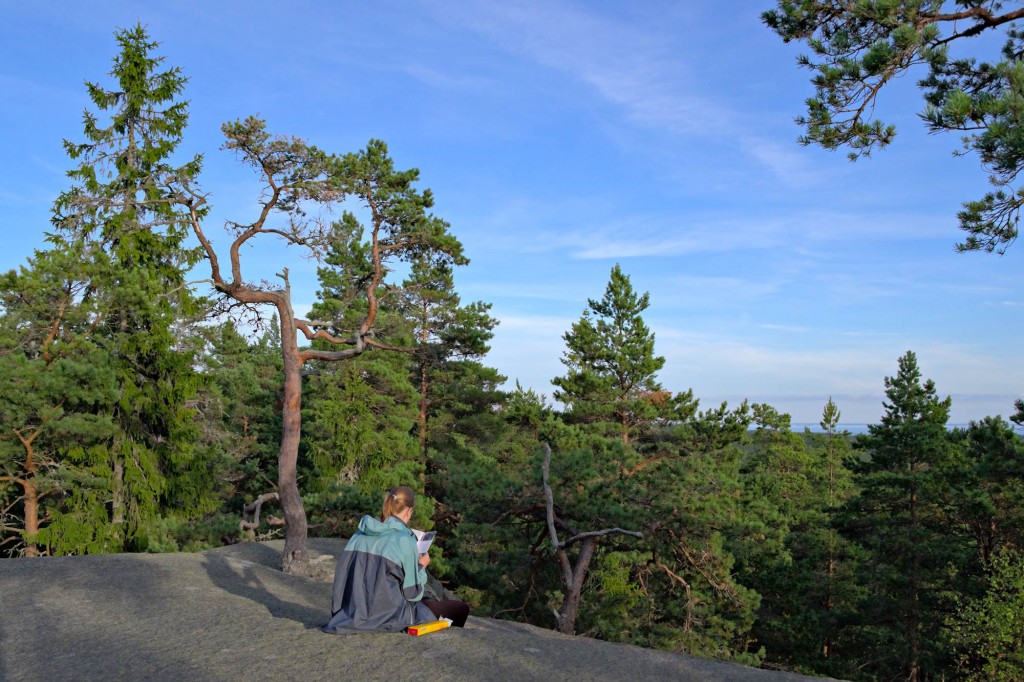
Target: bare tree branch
x,y
572,575
252,511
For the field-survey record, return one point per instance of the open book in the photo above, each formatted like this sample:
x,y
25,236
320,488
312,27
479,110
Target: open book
x,y
424,538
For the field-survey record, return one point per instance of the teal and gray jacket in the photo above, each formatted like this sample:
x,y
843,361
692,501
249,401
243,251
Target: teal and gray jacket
x,y
379,582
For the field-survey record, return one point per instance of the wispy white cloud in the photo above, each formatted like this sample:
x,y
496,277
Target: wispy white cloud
x,y
787,161
440,78
713,292
812,234
740,367
784,328
642,236
639,68
535,326
560,291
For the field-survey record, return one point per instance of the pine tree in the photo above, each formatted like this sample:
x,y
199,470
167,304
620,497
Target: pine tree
x,y
298,178
900,519
858,48
804,570
611,364
445,332
54,416
836,565
987,480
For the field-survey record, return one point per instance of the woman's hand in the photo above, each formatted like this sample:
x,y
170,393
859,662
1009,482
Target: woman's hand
x,y
424,560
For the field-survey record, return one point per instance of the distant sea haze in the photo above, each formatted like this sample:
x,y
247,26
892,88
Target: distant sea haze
x,y
857,429
854,429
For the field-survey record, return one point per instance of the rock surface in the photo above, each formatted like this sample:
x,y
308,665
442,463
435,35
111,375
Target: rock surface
x,y
229,614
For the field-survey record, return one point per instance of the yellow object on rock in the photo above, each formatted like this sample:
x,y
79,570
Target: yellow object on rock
x,y
425,628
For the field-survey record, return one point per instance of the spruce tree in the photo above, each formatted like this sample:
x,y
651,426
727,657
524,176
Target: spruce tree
x,y
243,407
122,207
359,415
118,250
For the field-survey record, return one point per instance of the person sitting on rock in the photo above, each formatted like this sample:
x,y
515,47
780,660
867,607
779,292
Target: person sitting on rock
x,y
380,579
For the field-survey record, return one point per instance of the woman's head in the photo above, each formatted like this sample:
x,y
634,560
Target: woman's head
x,y
397,501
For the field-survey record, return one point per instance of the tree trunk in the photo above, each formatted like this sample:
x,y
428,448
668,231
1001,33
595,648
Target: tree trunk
x,y
423,412
914,615
296,557
28,486
31,518
117,496
574,589
424,337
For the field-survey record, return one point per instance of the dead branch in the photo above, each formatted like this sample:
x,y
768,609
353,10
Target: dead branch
x,y
599,533
550,504
572,576
686,586
252,511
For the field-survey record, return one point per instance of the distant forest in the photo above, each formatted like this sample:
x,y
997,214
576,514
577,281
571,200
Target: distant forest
x,y
135,416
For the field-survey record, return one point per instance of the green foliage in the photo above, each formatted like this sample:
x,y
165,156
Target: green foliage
x,y
122,218
360,417
123,424
241,411
674,589
611,365
858,48
336,510
82,524
798,562
987,486
447,335
359,414
901,518
54,416
170,534
988,632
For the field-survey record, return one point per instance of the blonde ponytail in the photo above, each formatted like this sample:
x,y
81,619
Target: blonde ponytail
x,y
396,501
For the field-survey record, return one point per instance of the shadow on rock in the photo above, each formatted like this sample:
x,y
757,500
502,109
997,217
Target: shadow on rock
x,y
261,585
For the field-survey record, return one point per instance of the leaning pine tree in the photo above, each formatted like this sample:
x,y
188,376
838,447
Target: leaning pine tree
x,y
298,177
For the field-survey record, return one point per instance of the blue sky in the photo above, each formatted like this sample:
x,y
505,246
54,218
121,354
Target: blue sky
x,y
561,138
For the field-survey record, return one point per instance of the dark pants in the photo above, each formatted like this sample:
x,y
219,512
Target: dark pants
x,y
454,610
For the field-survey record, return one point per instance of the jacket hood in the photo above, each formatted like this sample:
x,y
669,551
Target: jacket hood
x,y
371,526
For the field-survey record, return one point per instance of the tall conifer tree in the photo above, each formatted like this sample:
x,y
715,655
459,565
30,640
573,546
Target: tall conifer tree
x,y
54,412
611,364
900,519
122,214
445,331
359,415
